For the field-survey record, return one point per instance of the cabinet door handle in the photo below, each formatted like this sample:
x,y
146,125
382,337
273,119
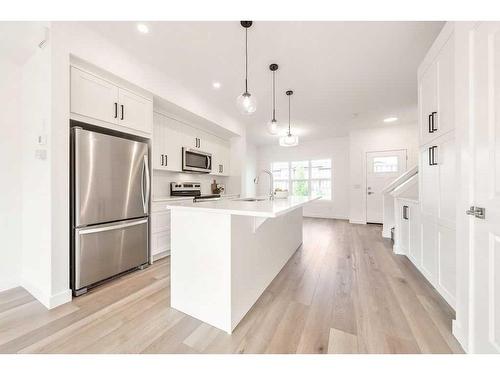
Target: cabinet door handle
x,y
429,119
123,112
166,160
434,162
162,160
430,155
433,114
116,110
405,212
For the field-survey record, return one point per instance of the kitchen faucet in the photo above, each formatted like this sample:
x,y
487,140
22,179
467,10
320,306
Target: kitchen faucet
x,y
271,182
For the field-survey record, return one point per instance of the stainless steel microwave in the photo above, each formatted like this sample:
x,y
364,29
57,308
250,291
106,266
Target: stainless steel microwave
x,y
196,160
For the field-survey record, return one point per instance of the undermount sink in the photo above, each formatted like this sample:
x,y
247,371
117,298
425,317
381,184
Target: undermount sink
x,y
251,199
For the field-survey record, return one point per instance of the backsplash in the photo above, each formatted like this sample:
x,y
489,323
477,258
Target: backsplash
x,y
162,180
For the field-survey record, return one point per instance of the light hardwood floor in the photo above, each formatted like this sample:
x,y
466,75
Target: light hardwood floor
x,y
343,291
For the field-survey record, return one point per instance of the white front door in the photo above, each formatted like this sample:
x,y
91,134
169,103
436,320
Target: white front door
x,y
382,167
486,232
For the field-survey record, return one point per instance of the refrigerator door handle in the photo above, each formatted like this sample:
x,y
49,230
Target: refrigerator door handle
x,y
106,228
145,174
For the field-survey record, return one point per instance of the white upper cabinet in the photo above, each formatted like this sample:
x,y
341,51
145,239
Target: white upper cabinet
x,y
436,95
102,102
135,112
428,103
170,136
93,97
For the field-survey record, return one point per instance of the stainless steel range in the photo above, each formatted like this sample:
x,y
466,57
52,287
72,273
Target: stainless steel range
x,y
190,189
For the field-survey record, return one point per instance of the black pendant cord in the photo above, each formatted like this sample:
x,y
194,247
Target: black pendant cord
x,y
289,105
274,96
246,61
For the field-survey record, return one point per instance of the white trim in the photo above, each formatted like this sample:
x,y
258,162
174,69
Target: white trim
x,y
357,221
459,334
9,284
319,216
49,301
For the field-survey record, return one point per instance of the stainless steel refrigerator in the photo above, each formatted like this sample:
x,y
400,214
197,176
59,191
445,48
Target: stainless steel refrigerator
x,y
110,189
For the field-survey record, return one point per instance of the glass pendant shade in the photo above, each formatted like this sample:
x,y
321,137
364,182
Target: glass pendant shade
x,y
272,127
246,103
289,140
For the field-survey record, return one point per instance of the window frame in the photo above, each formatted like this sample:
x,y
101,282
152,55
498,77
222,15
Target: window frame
x,y
309,180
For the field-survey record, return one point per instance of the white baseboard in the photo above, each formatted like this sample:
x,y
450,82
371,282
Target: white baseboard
x,y
386,234
161,255
458,332
49,301
8,284
321,216
357,222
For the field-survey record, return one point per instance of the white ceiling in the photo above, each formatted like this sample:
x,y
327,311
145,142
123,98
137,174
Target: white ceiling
x,y
345,75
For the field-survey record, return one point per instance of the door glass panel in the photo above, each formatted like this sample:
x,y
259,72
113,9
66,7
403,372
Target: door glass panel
x,y
383,164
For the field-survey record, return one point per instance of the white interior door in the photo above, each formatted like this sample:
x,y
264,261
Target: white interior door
x,y
382,167
486,232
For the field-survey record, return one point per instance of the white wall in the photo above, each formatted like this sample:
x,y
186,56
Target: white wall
x,y
10,165
361,141
36,177
336,149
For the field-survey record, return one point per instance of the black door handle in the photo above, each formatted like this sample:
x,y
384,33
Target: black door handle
x,y
405,212
430,155
434,148
432,117
116,110
123,112
166,160
162,160
429,123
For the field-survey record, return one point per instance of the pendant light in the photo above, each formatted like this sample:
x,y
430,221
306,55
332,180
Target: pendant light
x,y
247,104
272,125
289,140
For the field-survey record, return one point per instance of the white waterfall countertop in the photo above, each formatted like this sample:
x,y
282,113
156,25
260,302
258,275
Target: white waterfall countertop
x,y
259,208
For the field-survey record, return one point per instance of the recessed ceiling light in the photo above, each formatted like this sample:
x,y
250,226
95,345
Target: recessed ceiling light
x,y
142,28
390,119
216,85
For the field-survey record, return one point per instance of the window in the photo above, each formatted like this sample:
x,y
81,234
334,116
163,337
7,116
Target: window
x,y
304,178
300,177
383,164
321,178
281,172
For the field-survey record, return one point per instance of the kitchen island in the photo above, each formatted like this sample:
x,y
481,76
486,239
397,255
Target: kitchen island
x,y
225,253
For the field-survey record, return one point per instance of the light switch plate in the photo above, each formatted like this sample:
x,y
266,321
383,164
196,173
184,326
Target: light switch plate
x,y
41,154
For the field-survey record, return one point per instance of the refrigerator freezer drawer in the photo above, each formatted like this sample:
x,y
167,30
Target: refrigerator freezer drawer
x,y
103,251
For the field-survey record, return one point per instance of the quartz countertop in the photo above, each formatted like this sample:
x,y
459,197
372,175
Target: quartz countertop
x,y
263,208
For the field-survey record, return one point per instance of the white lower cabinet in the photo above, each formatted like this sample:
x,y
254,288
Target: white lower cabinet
x,y
437,195
407,231
160,230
